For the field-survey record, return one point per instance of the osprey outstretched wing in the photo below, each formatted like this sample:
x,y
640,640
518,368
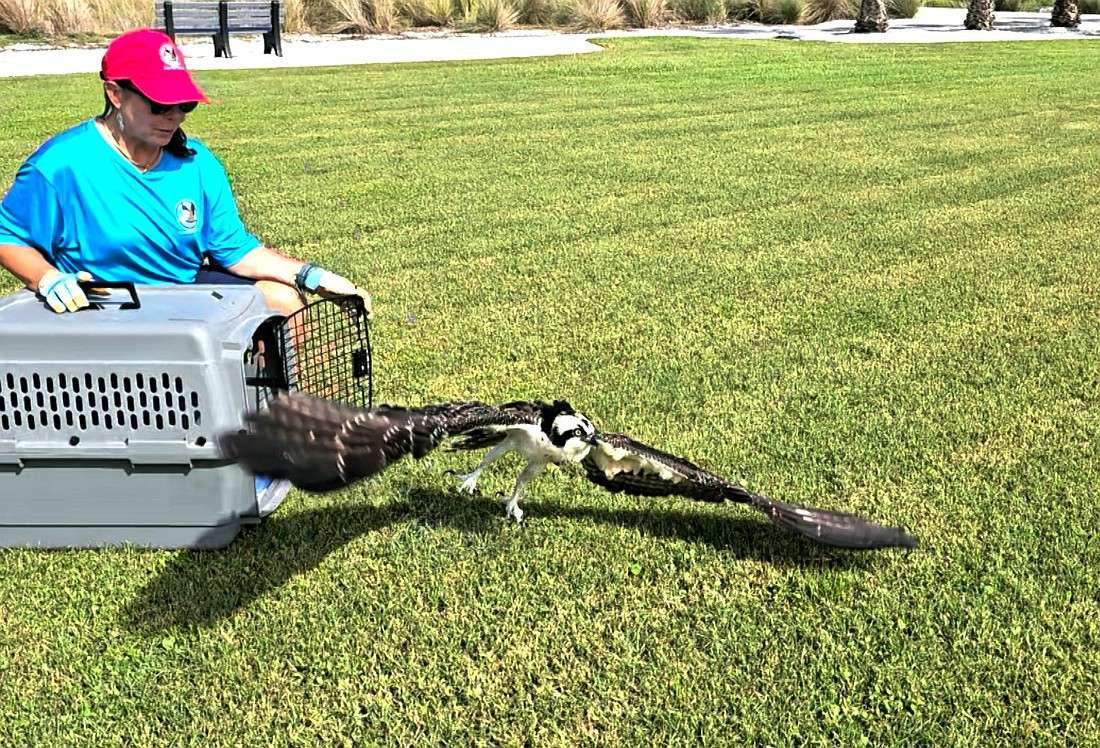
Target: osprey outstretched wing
x,y
621,464
322,446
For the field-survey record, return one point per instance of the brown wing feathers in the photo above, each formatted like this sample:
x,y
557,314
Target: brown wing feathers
x,y
620,463
322,446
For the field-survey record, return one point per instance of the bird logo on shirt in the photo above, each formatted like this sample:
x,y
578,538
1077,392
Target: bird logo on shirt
x,y
187,214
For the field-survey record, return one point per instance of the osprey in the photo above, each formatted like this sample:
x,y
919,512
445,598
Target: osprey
x,y
322,446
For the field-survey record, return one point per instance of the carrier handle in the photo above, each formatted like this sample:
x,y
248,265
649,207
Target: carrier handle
x,y
97,300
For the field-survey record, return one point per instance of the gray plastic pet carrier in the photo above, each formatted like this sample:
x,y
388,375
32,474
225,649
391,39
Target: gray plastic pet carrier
x,y
109,416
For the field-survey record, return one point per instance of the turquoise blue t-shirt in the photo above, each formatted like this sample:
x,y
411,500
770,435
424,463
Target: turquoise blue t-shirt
x,y
85,207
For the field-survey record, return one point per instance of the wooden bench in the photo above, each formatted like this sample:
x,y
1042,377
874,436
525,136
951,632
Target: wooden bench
x,y
222,18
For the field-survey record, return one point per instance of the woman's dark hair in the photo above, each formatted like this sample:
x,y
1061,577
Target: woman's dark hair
x,y
177,146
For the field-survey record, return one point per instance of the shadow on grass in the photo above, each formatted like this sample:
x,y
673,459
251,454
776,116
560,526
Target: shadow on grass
x,y
199,588
737,532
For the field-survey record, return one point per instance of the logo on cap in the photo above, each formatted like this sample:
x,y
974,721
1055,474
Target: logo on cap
x,y
169,57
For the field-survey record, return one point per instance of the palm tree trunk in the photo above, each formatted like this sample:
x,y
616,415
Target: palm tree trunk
x,y
1066,13
979,15
872,17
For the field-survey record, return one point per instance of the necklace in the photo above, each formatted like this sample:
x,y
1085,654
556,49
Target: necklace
x,y
116,142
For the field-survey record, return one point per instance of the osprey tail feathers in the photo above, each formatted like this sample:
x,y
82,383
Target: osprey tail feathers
x,y
839,529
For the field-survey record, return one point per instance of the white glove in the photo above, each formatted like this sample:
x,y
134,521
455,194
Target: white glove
x,y
325,283
61,292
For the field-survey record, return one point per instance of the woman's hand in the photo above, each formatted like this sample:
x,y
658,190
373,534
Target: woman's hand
x,y
326,283
62,290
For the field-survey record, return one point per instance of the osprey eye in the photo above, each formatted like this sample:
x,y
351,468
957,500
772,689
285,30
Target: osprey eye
x,y
577,431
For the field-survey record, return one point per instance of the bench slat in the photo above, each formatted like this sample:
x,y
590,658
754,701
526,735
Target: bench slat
x,y
190,19
220,19
253,18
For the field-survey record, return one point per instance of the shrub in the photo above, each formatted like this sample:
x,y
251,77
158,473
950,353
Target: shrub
x,y
647,13
363,16
782,12
468,8
385,18
350,15
1013,6
598,15
23,17
497,15
903,8
430,12
295,21
716,11
1091,7
700,11
820,11
111,17
767,11
538,12
70,17
742,10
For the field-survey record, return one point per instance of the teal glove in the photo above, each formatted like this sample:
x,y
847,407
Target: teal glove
x,y
316,279
61,292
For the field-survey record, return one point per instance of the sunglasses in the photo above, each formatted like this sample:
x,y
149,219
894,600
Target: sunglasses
x,y
155,107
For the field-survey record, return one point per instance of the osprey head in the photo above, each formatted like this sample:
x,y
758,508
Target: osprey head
x,y
571,432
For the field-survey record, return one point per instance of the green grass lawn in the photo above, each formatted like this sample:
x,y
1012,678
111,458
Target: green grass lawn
x,y
858,277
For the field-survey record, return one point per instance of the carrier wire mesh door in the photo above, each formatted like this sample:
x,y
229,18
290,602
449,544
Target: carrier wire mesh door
x,y
323,349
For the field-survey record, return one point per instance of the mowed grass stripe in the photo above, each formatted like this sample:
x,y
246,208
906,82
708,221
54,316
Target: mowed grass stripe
x,y
861,277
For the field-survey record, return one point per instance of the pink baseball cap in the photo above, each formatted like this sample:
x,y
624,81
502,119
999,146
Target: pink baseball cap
x,y
154,64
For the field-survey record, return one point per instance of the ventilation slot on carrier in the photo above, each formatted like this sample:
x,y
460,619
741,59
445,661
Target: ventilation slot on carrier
x,y
85,402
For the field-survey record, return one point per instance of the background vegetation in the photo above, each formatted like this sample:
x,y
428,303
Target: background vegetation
x,y
80,19
857,276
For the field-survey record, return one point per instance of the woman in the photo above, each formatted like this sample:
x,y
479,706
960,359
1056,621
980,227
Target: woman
x,y
127,196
